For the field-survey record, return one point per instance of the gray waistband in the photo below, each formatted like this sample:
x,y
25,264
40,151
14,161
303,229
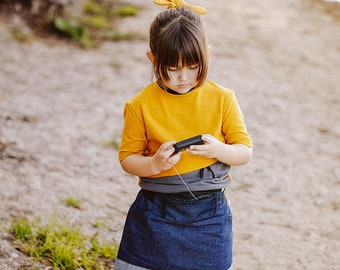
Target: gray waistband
x,y
214,176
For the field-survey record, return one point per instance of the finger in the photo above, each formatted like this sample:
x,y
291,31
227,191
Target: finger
x,y
170,151
174,158
196,147
207,138
167,145
167,148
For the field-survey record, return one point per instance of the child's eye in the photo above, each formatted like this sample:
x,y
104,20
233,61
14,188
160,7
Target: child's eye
x,y
172,68
194,66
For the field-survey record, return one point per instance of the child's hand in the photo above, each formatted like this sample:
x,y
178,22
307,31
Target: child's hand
x,y
163,158
231,154
209,149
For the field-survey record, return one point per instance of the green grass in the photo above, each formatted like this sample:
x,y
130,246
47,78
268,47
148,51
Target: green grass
x,y
126,10
116,36
95,23
61,246
115,143
72,202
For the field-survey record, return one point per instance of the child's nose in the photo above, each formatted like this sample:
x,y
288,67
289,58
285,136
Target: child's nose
x,y
183,74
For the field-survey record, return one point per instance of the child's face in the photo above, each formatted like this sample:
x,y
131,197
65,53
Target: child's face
x,y
182,78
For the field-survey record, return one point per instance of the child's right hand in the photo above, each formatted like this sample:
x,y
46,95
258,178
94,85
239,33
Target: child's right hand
x,y
163,158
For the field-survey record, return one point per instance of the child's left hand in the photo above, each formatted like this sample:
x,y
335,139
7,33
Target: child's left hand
x,y
231,154
209,149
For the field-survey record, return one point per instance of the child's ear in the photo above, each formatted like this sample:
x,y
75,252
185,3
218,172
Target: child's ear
x,y
150,56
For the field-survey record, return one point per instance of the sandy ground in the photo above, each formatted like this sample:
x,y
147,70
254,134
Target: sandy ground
x,y
58,104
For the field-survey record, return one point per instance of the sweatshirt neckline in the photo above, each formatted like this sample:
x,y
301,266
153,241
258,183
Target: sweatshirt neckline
x,y
174,93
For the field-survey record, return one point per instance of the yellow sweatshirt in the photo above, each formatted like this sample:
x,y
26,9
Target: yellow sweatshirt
x,y
155,116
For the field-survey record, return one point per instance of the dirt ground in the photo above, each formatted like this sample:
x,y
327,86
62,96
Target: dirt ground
x,y
59,104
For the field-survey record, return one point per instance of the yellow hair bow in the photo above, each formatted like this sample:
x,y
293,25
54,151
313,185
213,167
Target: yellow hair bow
x,y
180,3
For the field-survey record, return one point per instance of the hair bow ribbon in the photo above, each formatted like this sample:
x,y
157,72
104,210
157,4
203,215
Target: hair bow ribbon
x,y
180,3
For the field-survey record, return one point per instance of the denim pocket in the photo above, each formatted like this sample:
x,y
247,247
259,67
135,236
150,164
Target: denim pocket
x,y
193,211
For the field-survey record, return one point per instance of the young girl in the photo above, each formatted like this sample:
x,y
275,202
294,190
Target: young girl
x,y
180,218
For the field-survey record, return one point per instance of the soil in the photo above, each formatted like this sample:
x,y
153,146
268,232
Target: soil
x,y
60,104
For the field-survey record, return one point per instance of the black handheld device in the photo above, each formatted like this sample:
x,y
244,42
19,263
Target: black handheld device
x,y
182,145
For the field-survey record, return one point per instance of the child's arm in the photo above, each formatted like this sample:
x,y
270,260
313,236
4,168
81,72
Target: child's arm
x,y
231,154
144,166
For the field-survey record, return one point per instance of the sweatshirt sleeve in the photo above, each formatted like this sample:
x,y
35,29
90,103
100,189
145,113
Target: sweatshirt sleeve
x,y
133,135
234,128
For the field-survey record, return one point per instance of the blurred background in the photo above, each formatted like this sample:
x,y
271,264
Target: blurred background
x,y
68,67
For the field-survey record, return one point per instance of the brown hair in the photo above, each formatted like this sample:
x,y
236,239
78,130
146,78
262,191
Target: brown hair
x,y
179,35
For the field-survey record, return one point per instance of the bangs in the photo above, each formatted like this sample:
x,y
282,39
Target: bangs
x,y
181,51
181,43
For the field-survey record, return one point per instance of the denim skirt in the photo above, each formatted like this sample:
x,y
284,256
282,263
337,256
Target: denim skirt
x,y
164,232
